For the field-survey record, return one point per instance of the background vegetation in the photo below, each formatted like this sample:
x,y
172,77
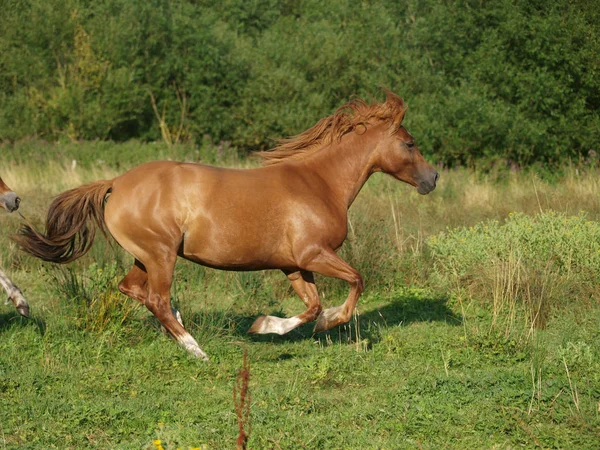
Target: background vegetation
x,y
480,323
510,80
479,326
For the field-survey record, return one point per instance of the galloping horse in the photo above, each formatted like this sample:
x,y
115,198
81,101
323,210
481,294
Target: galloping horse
x,y
10,201
290,214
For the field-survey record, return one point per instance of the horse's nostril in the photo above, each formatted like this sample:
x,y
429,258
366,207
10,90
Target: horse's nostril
x,y
17,201
436,178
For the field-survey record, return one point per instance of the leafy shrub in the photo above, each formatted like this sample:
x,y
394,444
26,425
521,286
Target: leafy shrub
x,y
509,81
528,262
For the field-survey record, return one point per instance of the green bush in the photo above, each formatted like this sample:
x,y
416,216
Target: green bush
x,y
528,263
571,244
512,81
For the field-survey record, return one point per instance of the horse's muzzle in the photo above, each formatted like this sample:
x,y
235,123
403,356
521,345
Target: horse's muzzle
x,y
428,185
10,201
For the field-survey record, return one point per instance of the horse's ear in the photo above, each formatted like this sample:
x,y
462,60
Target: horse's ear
x,y
399,118
393,99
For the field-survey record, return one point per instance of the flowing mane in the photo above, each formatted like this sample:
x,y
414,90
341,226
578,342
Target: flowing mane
x,y
344,120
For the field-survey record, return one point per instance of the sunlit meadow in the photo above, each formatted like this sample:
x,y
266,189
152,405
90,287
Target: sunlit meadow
x,y
478,327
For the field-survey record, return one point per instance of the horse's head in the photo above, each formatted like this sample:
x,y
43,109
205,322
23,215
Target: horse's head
x,y
398,154
8,199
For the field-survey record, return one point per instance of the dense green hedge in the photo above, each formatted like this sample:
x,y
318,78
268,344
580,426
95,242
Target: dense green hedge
x,y
511,80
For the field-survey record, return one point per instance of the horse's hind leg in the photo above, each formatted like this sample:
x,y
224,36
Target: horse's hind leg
x,y
304,285
135,285
150,284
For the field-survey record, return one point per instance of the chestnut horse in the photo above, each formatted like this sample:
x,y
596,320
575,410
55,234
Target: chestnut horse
x,y
10,201
290,214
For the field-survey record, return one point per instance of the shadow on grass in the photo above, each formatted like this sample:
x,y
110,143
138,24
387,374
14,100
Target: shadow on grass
x,y
12,318
398,309
408,308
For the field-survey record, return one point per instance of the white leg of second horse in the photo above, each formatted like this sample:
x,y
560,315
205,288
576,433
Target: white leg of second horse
x,y
14,294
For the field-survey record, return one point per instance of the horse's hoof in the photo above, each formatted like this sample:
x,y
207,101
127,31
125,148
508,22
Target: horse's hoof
x,y
328,319
190,344
198,353
321,325
257,326
23,310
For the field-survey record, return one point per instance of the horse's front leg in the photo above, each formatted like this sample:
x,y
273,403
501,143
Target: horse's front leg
x,y
304,285
14,294
328,263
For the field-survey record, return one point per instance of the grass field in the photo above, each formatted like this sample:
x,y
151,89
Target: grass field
x,y
457,343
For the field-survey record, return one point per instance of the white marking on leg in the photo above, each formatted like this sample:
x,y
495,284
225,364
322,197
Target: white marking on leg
x,y
277,325
192,346
177,315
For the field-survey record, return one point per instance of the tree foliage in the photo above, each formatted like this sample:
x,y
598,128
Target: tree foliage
x,y
511,80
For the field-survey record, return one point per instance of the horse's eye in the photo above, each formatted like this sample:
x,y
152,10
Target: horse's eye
x,y
410,144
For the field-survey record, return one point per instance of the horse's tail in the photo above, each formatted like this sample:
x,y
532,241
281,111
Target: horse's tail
x,y
69,230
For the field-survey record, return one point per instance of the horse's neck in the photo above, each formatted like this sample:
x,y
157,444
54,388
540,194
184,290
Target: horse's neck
x,y
346,165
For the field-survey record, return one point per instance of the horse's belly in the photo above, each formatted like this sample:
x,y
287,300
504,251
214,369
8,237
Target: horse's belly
x,y
235,252
236,261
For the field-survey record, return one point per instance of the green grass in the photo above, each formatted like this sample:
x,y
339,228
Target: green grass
x,y
420,366
412,379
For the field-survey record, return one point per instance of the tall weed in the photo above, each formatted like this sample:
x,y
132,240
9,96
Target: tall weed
x,y
92,297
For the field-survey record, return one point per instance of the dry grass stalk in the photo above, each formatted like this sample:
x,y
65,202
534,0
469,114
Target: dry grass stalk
x,y
242,403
